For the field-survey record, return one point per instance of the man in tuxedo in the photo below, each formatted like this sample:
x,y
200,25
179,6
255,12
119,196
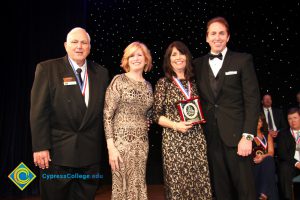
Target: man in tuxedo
x,y
66,121
289,153
274,116
229,94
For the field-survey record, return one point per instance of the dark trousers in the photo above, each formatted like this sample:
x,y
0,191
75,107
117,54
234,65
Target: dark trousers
x,y
66,183
232,175
265,179
286,174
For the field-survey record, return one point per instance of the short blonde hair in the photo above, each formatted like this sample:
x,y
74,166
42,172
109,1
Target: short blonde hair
x,y
130,49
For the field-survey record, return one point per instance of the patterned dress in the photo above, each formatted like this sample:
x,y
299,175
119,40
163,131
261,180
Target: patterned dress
x,y
127,103
186,172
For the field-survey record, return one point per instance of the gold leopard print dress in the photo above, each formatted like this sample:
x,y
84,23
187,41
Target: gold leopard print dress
x,y
185,166
127,103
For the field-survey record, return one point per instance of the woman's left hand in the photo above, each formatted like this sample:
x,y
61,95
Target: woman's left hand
x,y
258,159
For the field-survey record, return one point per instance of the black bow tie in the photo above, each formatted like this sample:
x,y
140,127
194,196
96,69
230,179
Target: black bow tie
x,y
212,56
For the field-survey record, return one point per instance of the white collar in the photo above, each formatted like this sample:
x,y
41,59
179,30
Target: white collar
x,y
270,108
74,64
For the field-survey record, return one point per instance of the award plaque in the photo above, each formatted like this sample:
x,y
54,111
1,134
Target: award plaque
x,y
191,111
258,150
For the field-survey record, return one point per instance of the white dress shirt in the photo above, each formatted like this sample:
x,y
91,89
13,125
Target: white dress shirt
x,y
216,64
297,151
271,113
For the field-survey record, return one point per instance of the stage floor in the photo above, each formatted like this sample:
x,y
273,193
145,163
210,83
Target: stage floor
x,y
155,192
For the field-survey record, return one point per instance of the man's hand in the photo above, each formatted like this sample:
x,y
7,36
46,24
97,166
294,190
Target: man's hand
x,y
273,133
244,147
42,159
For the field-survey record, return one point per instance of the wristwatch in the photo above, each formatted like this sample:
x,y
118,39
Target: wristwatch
x,y
248,137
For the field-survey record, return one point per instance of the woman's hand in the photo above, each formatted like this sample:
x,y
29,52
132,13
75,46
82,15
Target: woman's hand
x,y
182,127
114,158
258,159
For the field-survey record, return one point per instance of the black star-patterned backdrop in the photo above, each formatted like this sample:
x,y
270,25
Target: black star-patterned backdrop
x,y
265,29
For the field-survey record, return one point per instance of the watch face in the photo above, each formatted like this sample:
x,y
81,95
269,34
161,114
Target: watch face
x,y
248,137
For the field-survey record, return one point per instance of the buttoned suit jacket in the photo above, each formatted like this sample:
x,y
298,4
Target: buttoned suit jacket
x,y
59,118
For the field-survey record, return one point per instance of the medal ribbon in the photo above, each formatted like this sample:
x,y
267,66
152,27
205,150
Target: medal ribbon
x,y
263,142
83,86
296,136
186,93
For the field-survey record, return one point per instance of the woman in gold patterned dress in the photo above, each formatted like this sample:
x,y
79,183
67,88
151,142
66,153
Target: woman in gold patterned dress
x,y
127,102
186,172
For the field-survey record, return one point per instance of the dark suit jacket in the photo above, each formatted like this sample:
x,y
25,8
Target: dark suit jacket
x,y
279,119
59,118
286,147
236,107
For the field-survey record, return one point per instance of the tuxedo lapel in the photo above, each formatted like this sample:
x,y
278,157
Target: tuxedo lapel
x,y
222,71
205,76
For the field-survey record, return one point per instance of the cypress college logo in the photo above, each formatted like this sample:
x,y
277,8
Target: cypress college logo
x,y
21,176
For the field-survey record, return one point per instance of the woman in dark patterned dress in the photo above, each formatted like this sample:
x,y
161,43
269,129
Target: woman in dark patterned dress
x,y
127,102
264,170
186,172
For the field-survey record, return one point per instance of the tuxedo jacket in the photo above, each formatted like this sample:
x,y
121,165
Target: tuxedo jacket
x,y
278,117
60,121
286,147
235,108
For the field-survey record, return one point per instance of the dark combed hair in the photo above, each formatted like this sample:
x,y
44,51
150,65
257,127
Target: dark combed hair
x,y
293,111
168,69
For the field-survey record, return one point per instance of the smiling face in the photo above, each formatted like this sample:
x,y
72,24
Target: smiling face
x,y
78,45
136,61
217,37
177,60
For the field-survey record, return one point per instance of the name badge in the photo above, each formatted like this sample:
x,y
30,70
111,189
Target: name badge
x,y
69,81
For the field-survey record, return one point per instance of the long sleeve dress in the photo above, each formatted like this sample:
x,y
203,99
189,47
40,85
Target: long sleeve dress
x,y
127,103
185,166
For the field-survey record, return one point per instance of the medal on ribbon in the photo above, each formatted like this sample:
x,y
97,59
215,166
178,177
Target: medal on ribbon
x,y
190,110
296,136
260,149
83,85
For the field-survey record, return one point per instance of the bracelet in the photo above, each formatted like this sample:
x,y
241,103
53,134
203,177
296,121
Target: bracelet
x,y
174,126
